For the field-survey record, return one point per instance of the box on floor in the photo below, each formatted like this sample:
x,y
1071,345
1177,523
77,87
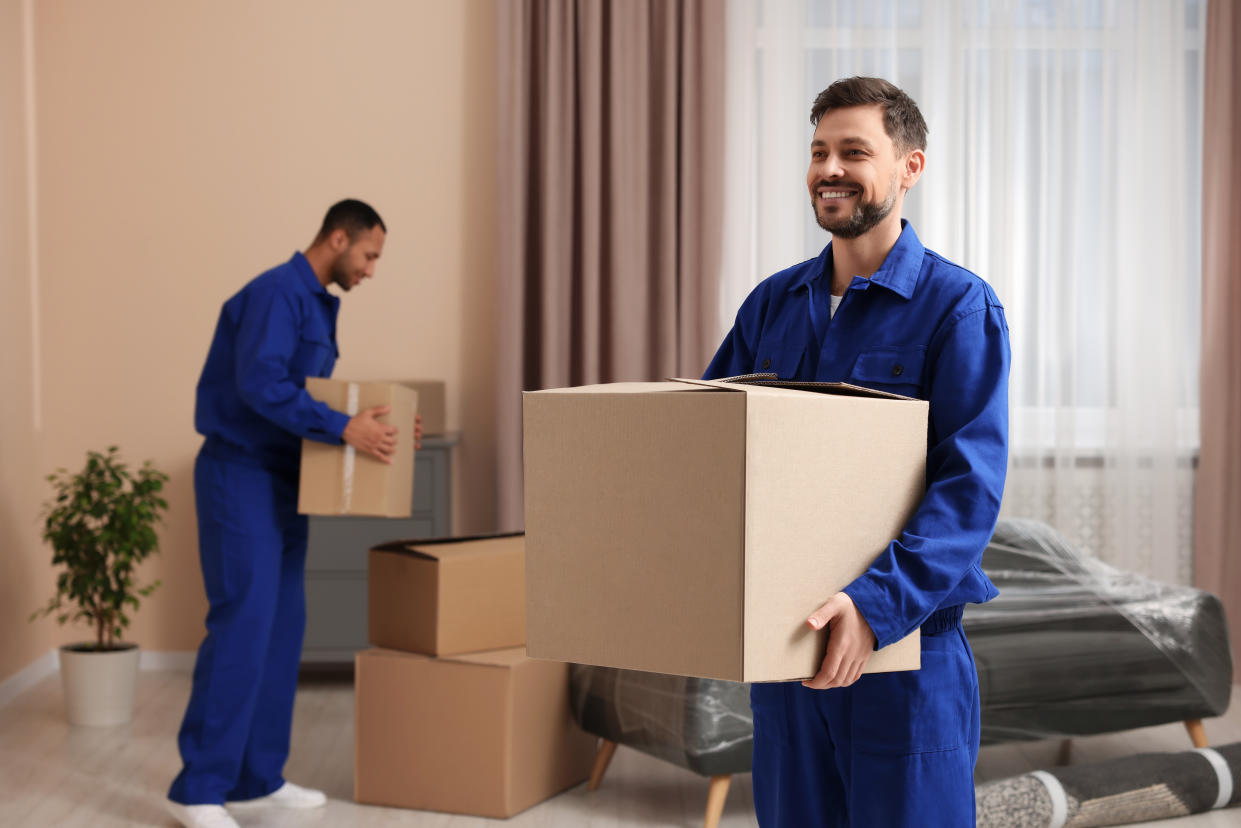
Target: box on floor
x,y
488,734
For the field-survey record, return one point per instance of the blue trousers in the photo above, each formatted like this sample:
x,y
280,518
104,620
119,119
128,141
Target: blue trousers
x,y
892,750
234,739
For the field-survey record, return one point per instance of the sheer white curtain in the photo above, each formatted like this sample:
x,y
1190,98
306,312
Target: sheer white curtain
x,y
1063,167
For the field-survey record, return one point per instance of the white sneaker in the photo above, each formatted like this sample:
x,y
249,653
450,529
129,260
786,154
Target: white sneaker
x,y
201,816
287,795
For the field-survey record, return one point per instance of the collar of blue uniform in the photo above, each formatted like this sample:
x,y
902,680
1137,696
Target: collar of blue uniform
x,y
309,279
898,274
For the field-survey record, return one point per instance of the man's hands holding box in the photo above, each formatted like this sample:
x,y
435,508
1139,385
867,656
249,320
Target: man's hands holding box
x,y
849,643
366,434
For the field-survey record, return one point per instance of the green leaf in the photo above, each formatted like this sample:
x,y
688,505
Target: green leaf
x,y
100,524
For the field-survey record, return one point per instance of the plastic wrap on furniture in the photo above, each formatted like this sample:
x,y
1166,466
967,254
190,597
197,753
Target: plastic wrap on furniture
x,y
1074,647
1122,791
701,724
1071,647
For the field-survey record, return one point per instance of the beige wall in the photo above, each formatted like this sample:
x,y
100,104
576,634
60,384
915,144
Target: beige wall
x,y
27,579
185,147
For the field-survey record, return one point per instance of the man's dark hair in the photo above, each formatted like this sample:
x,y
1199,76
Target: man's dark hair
x,y
352,216
901,118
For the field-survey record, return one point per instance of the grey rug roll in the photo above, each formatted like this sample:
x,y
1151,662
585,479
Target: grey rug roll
x,y
1132,789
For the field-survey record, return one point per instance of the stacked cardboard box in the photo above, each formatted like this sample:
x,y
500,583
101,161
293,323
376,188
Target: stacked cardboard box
x,y
450,714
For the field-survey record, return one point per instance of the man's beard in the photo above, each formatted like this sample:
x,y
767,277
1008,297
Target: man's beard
x,y
340,275
865,217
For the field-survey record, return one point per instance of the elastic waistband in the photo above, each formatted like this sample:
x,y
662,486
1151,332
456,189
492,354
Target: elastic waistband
x,y
219,449
943,620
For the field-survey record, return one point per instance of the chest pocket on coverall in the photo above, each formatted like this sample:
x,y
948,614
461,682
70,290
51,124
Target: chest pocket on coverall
x,y
895,370
781,361
315,352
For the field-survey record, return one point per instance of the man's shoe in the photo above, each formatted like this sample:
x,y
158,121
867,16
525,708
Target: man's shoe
x,y
287,795
201,816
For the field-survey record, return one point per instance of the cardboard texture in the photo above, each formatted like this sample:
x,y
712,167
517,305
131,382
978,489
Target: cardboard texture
x,y
444,597
337,479
488,734
432,404
690,527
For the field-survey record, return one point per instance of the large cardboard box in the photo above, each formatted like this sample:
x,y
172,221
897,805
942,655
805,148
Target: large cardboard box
x,y
449,596
690,527
339,480
488,734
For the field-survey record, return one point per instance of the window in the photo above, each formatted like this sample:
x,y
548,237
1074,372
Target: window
x,y
1064,166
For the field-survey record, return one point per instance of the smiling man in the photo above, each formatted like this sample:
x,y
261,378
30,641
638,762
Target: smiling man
x,y
877,309
253,411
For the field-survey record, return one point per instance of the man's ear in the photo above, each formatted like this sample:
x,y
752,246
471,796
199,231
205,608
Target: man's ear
x,y
915,163
339,239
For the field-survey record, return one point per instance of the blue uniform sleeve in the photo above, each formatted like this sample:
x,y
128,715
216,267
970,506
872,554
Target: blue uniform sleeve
x,y
967,460
735,355
732,359
268,338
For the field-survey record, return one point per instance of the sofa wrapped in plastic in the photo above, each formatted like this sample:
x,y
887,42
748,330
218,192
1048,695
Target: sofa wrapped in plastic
x,y
701,724
1071,647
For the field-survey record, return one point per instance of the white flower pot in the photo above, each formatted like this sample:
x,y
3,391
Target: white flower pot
x,y
99,686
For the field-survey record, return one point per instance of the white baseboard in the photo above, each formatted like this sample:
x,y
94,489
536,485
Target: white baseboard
x,y
49,664
28,677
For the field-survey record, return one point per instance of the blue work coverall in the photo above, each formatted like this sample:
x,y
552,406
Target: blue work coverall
x,y
253,410
893,749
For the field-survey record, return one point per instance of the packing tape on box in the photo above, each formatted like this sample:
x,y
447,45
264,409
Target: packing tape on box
x,y
346,482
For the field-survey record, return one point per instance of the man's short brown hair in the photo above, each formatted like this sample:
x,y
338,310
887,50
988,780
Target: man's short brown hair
x,y
901,118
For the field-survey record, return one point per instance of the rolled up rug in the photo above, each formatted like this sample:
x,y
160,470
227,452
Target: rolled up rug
x,y
1137,788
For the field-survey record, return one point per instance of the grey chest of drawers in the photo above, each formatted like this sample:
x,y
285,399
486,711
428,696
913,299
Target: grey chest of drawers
x,y
336,556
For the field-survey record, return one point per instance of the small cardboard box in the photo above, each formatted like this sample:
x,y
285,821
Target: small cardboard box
x,y
487,734
339,480
443,597
690,527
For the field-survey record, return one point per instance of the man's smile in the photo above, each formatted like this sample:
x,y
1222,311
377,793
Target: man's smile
x,y
828,192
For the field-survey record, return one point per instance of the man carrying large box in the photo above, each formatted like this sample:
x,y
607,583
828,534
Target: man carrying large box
x,y
877,309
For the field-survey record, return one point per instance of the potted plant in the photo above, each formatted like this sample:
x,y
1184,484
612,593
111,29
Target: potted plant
x,y
101,526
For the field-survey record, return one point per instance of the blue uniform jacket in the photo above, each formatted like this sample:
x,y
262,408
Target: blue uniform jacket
x,y
252,404
923,327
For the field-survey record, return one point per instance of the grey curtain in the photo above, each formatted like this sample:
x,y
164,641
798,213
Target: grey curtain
x,y
610,141
1217,499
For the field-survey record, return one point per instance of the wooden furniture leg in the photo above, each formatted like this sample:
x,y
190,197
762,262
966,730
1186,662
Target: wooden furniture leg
x,y
602,758
715,799
1066,749
1197,733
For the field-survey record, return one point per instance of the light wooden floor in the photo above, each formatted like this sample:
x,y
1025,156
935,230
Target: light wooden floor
x,y
55,775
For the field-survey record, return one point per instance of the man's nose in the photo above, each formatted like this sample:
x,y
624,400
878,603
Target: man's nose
x,y
831,166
